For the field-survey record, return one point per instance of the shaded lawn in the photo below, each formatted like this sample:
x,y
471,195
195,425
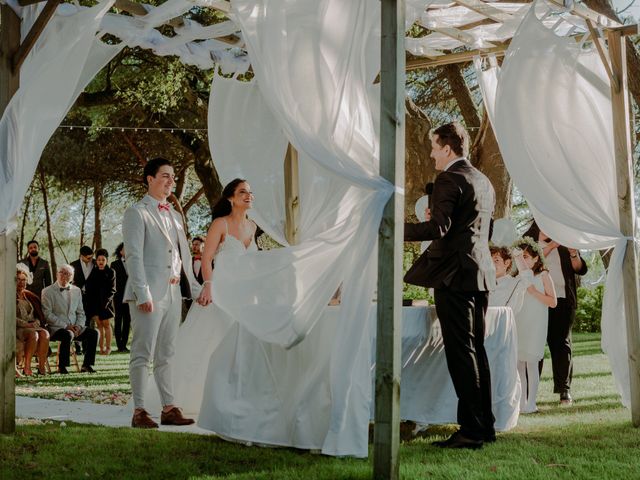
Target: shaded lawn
x,y
591,439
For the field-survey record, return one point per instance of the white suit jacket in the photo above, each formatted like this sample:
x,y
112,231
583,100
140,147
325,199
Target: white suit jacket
x,y
149,252
58,311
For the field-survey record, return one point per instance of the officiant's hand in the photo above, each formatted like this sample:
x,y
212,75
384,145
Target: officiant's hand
x,y
427,214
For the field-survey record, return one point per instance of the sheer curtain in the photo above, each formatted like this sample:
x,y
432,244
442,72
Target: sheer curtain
x,y
314,65
65,58
553,121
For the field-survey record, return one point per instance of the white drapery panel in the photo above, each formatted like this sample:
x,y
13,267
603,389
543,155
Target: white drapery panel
x,y
52,77
314,64
553,121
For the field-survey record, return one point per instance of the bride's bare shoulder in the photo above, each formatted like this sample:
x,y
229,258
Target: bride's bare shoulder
x,y
218,225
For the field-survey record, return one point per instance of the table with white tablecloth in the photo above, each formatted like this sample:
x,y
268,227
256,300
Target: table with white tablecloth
x,y
426,392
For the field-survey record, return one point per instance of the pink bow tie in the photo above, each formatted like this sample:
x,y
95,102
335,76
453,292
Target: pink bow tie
x,y
163,206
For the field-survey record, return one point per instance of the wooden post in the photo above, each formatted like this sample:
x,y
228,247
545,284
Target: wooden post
x,y
291,194
625,178
9,43
386,440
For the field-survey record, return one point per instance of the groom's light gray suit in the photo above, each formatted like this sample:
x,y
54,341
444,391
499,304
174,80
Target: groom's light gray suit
x,y
157,251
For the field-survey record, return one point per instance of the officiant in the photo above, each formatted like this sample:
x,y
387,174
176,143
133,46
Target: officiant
x,y
458,266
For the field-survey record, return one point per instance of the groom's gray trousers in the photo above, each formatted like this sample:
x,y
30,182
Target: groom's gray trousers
x,y
154,337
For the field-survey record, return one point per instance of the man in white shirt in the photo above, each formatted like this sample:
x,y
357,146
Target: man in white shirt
x,y
64,314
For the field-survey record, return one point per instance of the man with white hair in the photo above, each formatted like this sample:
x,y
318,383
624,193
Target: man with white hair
x,y
62,306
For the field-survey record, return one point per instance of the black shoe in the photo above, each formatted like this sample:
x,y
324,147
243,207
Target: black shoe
x,y
565,398
489,437
458,440
63,370
87,369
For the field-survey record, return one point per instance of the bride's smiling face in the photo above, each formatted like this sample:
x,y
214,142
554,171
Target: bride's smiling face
x,y
242,197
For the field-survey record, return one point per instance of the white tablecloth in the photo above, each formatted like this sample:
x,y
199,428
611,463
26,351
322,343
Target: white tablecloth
x,y
426,392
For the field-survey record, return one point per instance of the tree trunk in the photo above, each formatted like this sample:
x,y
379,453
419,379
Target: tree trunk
x,y
461,93
418,168
97,208
83,224
45,200
25,216
207,174
486,157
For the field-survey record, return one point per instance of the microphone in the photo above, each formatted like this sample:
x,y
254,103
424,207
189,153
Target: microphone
x,y
428,189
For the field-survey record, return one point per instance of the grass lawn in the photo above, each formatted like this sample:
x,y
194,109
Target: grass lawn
x,y
592,439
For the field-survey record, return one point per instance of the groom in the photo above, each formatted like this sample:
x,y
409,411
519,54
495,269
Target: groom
x,y
159,263
458,266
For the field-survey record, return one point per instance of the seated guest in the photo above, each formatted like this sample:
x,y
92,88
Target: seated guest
x,y
101,287
31,337
510,290
62,306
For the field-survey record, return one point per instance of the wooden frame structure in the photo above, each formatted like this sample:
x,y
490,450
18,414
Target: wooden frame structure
x,y
465,47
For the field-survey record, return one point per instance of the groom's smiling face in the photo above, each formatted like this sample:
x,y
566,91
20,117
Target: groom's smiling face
x,y
162,184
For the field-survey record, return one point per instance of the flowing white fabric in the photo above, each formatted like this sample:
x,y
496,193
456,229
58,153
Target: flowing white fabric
x,y
52,77
314,64
553,121
427,395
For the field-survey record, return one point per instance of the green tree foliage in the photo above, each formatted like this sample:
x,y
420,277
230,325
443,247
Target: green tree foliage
x,y
589,311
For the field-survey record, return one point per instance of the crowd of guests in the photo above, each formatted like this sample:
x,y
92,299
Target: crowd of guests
x,y
537,278
77,309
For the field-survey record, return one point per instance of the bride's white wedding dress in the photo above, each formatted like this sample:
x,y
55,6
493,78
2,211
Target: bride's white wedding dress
x,y
246,389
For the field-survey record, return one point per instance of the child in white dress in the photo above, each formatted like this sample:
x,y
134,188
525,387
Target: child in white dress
x,y
531,323
510,290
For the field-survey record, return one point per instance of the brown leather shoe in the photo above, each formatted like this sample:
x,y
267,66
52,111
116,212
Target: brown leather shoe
x,y
141,419
174,417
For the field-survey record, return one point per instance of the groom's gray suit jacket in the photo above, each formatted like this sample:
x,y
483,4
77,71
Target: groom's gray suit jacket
x,y
148,249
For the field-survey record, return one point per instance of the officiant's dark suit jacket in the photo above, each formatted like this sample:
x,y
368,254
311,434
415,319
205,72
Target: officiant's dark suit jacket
x,y
459,257
458,266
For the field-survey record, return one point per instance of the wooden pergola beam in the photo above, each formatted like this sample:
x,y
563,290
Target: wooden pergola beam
x,y
291,195
9,81
137,9
386,436
627,214
33,35
451,58
485,9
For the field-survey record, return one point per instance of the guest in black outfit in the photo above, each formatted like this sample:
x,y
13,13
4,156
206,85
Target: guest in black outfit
x,y
101,288
123,317
458,266
564,265
82,268
39,268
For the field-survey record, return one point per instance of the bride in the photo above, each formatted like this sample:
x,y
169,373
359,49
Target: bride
x,y
228,371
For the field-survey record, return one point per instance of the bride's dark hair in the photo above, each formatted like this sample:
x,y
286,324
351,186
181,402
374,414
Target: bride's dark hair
x,y
223,207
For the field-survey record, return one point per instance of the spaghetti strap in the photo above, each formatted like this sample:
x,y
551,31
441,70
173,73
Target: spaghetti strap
x,y
226,226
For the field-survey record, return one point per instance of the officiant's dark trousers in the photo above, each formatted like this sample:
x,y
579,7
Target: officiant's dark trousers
x,y
461,317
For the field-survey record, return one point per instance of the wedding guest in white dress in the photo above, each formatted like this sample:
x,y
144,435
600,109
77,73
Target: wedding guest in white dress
x,y
531,323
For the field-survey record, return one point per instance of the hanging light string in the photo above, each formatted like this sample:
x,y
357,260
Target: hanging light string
x,y
135,129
